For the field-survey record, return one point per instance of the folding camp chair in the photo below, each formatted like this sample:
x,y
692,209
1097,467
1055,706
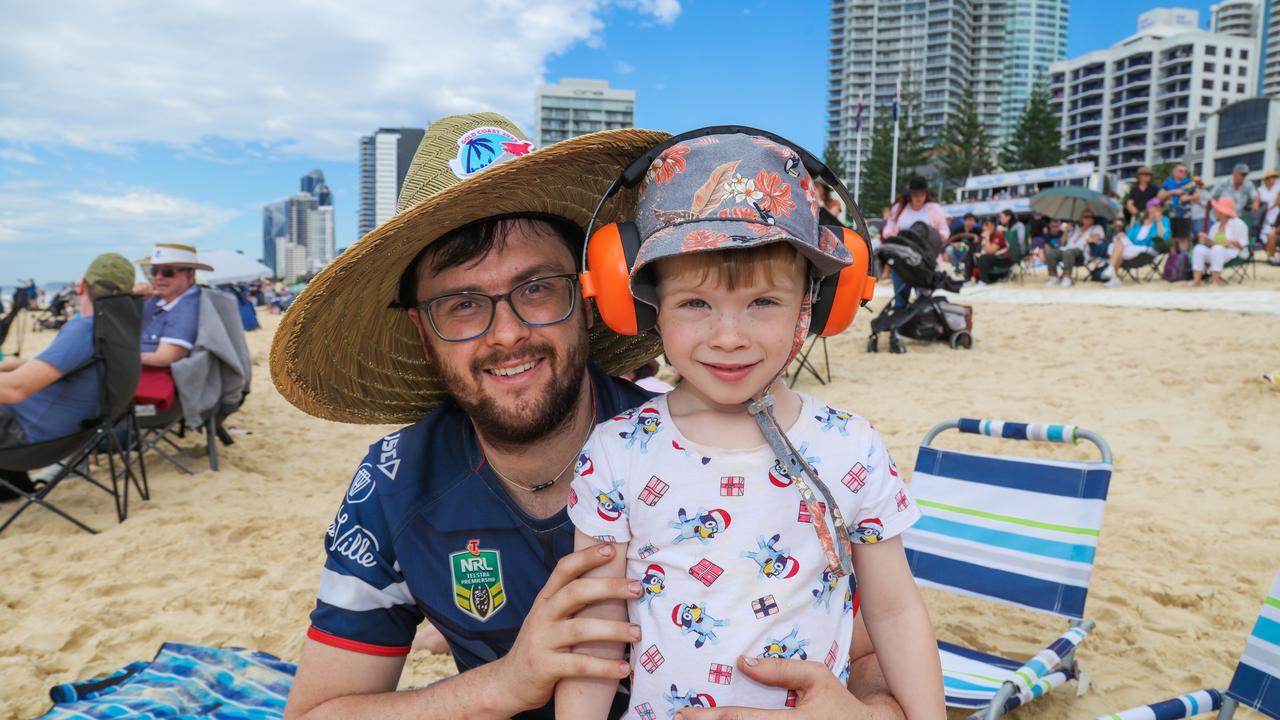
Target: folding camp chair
x,y
117,330
1240,268
160,430
804,363
1255,685
1019,531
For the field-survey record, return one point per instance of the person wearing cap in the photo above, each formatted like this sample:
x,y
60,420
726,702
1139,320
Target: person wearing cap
x,y
461,319
731,283
915,204
1140,192
171,316
1225,241
1269,197
1179,192
1243,193
1150,236
48,396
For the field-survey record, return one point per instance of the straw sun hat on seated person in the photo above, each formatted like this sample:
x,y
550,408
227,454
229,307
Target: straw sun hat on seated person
x,y
344,352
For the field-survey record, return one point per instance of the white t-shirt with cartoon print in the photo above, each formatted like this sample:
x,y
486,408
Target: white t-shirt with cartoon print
x,y
726,549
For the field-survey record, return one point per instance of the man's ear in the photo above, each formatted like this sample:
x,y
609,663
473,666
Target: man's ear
x,y
419,324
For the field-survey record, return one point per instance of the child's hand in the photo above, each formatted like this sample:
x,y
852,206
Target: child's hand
x,y
819,694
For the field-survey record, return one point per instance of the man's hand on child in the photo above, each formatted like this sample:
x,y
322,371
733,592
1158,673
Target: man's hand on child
x,y
819,694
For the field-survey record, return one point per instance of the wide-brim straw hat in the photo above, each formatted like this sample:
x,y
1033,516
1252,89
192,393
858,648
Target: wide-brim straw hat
x,y
174,255
1225,205
343,351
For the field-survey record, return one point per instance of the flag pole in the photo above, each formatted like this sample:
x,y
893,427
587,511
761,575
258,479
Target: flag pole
x,y
857,176
897,98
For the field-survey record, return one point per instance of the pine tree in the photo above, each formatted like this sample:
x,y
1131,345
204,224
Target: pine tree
x,y
1036,140
831,158
965,146
876,176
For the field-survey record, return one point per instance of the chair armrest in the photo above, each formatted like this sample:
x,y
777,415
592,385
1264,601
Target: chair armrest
x,y
1183,706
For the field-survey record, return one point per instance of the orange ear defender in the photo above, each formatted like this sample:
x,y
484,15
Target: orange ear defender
x,y
840,295
610,252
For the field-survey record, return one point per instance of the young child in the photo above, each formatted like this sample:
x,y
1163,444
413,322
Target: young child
x,y
702,511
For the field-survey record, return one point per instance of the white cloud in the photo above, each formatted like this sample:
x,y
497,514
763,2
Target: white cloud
x,y
625,68
298,76
37,217
17,155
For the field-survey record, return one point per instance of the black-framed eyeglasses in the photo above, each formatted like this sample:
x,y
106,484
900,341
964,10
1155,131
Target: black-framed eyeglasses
x,y
462,316
165,272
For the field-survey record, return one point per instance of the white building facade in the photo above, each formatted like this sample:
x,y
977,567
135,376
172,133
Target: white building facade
x,y
577,106
1134,103
1246,132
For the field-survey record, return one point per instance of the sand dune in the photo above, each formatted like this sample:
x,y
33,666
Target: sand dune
x,y
1189,544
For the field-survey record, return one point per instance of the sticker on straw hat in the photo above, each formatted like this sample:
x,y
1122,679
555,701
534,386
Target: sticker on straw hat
x,y
484,147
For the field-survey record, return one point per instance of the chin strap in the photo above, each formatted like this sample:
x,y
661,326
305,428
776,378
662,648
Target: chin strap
x,y
838,549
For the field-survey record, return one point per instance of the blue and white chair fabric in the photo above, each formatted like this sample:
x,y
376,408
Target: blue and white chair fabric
x,y
1255,685
1018,531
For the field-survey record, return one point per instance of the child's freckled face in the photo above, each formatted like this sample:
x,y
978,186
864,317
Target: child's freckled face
x,y
727,344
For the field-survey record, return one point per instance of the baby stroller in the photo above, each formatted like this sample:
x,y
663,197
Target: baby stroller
x,y
913,255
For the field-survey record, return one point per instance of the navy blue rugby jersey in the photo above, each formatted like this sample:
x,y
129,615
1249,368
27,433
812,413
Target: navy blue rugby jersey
x,y
427,531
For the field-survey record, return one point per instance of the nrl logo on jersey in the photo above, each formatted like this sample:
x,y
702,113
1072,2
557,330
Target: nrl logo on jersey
x,y
477,581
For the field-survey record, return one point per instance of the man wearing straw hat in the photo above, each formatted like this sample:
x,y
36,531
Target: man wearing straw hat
x,y
462,316
172,315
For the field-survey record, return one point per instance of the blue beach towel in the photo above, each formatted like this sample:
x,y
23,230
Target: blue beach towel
x,y
182,681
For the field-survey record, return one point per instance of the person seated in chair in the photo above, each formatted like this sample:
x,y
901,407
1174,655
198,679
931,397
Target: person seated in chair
x,y
1150,235
1073,251
1225,241
172,314
995,259
50,395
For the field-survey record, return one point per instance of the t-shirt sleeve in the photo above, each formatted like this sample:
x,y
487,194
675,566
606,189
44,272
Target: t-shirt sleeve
x,y
598,498
72,348
364,604
884,509
183,323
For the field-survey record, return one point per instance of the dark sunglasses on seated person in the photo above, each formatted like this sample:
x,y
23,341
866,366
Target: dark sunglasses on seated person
x,y
166,272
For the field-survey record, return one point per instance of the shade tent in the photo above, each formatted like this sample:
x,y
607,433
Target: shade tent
x,y
1070,201
231,267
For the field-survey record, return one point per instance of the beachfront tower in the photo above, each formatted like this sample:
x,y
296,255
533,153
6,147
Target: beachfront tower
x,y
1132,104
576,107
384,160
938,48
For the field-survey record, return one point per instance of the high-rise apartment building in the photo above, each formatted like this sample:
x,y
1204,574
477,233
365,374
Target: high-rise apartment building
x,y
298,232
577,107
1133,103
938,49
384,160
1269,48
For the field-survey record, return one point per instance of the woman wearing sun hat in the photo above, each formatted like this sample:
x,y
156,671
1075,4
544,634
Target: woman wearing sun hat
x,y
1269,194
1225,241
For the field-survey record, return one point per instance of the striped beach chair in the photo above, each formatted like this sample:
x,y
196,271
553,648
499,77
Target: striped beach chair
x,y
1256,683
1019,531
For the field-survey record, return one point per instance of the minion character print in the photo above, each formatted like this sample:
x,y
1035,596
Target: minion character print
x,y
644,426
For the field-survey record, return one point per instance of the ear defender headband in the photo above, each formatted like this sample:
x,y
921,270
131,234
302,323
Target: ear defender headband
x,y
609,253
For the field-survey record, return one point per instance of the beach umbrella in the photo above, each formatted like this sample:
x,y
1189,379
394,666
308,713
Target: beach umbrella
x,y
1068,202
231,267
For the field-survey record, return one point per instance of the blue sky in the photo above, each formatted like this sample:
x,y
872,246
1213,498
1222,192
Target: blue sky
x,y
129,123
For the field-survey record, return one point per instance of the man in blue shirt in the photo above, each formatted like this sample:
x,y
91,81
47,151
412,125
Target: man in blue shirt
x,y
459,518
1179,193
171,316
51,395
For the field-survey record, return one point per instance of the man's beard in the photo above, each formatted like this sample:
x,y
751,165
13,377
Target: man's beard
x,y
538,413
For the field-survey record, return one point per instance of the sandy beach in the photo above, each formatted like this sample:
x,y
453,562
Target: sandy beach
x,y
1189,544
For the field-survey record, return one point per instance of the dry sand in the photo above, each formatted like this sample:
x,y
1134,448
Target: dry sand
x,y
1188,548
